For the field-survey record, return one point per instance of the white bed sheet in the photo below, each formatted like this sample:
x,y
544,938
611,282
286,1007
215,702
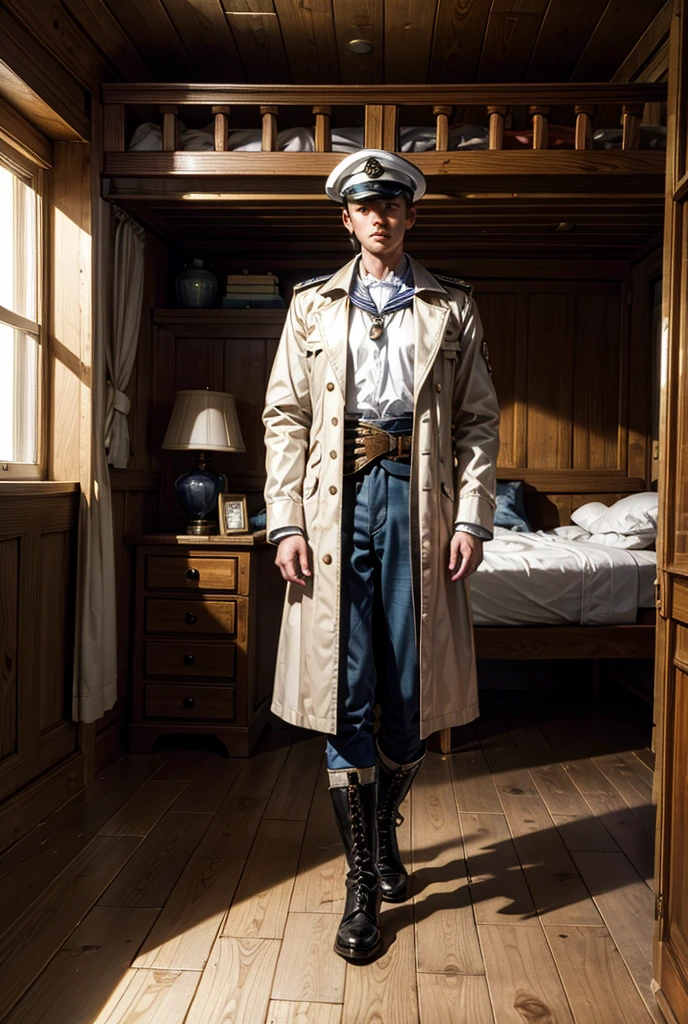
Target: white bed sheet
x,y
545,579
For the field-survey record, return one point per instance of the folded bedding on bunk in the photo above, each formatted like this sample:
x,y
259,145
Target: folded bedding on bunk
x,y
412,138
546,578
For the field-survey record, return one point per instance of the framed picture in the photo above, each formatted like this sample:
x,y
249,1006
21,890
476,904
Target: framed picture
x,y
233,514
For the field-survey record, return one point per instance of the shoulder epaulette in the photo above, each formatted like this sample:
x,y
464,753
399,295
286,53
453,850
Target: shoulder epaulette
x,y
312,282
455,282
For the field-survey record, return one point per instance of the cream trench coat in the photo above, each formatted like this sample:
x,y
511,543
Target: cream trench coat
x,y
304,421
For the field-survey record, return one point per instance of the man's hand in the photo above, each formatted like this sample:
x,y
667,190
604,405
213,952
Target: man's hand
x,y
292,559
467,551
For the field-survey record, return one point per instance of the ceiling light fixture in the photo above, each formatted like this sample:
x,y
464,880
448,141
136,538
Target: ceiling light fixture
x,y
361,45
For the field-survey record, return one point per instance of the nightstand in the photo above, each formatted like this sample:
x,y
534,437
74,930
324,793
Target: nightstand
x,y
206,622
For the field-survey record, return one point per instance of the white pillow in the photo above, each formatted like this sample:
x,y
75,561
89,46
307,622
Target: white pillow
x,y
634,514
588,515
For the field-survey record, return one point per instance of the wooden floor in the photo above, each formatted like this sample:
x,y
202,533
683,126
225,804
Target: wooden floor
x,y
185,887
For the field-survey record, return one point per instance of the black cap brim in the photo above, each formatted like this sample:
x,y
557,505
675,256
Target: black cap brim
x,y
377,190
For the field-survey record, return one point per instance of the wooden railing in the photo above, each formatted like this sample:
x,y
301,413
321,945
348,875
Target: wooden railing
x,y
381,106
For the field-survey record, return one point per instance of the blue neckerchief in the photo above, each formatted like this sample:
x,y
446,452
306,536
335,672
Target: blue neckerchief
x,y
360,296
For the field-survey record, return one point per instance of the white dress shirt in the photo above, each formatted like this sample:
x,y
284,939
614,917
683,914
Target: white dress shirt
x,y
379,379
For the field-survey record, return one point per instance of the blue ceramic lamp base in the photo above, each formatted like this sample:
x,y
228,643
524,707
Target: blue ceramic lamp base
x,y
197,492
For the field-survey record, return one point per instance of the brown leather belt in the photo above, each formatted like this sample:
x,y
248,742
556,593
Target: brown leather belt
x,y
364,442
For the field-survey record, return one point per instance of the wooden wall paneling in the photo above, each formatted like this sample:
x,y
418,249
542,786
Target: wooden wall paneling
x,y
408,39
509,38
360,19
550,379
258,39
107,34
563,36
9,605
457,41
203,28
498,312
615,34
38,86
55,625
244,377
164,356
146,23
309,40
597,364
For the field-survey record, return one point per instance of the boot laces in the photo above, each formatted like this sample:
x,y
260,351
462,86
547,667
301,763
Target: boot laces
x,y
388,813
361,855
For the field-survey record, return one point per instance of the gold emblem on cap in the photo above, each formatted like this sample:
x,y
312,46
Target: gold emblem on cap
x,y
373,168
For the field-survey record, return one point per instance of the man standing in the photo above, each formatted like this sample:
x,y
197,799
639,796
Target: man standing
x,y
382,437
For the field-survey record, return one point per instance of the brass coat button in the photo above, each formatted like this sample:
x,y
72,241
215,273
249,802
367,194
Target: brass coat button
x,y
333,454
330,386
438,387
333,489
335,421
327,559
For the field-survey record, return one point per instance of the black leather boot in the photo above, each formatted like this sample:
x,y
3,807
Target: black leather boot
x,y
393,785
355,805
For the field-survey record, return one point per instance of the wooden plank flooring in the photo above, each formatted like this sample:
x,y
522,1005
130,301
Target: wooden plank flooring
x,y
186,888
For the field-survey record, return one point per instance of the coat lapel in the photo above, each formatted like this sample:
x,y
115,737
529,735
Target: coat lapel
x,y
333,320
431,308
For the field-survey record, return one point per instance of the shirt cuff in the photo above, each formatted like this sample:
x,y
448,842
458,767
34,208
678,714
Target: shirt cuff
x,y
285,531
474,530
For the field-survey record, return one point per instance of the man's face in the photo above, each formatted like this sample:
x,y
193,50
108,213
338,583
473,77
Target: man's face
x,y
379,224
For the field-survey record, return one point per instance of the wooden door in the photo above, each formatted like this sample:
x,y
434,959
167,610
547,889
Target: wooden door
x,y
670,967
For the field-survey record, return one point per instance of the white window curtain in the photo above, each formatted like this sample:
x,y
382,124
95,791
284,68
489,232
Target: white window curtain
x,y
95,671
127,295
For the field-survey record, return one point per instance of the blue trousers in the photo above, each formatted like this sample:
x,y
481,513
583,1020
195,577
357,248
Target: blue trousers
x,y
379,658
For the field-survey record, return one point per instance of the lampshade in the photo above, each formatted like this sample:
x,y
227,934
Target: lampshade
x,y
204,421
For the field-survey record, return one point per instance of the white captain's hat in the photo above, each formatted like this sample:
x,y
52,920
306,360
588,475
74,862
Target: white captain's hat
x,y
375,174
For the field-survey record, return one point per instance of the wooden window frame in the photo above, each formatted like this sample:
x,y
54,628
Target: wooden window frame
x,y
14,155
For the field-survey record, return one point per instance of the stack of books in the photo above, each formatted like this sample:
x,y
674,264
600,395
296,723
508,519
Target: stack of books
x,y
252,291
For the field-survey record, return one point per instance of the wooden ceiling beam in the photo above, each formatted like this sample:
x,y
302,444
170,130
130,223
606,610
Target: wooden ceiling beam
x,y
207,37
108,35
564,33
616,33
512,29
309,40
654,38
408,40
146,23
363,19
258,38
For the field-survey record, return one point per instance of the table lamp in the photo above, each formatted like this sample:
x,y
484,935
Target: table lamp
x,y
202,421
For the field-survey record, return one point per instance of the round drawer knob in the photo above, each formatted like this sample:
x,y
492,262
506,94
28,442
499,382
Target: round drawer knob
x,y
188,702
190,618
192,574
189,659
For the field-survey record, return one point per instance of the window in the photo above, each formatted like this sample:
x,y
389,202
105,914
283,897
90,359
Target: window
x,y
20,316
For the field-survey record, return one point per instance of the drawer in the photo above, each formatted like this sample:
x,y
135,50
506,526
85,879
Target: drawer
x,y
176,700
168,615
186,572
189,658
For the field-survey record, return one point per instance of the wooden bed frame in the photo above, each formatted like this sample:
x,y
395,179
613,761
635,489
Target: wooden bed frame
x,y
624,176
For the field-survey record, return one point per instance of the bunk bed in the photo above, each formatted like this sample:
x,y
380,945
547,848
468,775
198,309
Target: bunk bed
x,y
171,151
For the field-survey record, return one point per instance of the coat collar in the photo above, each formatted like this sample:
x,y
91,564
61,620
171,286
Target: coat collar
x,y
341,281
431,308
